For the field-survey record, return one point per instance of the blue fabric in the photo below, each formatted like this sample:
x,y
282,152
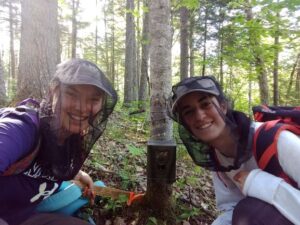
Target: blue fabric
x,y
68,200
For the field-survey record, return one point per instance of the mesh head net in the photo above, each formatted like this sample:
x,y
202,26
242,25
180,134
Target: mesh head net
x,y
73,116
239,125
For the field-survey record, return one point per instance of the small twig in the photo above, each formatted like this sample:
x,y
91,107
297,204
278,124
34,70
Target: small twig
x,y
137,111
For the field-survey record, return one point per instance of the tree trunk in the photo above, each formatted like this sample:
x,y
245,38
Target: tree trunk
x,y
38,48
143,93
221,42
184,45
75,5
11,41
221,46
204,41
130,84
254,40
160,80
106,60
289,88
2,85
113,66
138,47
298,85
191,43
275,66
96,33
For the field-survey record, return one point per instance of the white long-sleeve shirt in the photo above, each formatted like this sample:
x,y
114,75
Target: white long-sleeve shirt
x,y
262,185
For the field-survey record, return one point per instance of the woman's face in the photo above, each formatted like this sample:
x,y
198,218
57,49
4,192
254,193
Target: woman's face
x,y
78,104
201,116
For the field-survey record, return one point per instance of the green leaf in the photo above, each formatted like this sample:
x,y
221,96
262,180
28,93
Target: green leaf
x,y
135,151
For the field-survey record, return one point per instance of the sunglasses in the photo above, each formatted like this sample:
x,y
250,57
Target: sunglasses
x,y
204,84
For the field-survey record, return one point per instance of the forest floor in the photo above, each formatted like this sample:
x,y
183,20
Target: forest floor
x,y
119,160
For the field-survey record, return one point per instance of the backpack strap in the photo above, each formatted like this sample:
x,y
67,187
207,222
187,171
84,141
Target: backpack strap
x,y
265,147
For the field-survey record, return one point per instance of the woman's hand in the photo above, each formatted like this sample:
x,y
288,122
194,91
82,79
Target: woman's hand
x,y
240,178
88,184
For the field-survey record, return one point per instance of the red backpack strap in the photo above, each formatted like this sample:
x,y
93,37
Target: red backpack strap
x,y
265,147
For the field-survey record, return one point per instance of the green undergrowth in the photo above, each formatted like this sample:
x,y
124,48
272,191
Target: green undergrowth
x,y
120,158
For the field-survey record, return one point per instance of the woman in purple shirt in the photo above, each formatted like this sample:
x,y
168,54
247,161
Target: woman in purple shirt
x,y
64,130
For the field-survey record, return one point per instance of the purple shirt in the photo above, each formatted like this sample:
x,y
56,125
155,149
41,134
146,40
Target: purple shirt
x,y
19,194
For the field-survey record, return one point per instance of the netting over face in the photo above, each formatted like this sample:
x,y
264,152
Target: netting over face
x,y
237,123
73,116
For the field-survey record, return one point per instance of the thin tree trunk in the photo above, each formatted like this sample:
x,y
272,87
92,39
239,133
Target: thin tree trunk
x,y
298,85
113,66
289,88
106,46
184,45
75,5
138,47
259,61
130,84
11,41
221,47
160,80
143,93
96,34
204,41
275,66
2,85
191,42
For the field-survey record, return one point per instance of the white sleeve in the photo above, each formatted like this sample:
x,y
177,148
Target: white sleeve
x,y
2,222
275,191
288,148
226,199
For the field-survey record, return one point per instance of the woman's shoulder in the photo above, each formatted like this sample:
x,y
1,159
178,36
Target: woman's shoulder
x,y
256,125
19,114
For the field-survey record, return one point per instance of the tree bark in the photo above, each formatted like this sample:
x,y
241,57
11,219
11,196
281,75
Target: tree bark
x,y
298,84
204,42
11,41
113,66
130,84
160,81
38,48
143,93
289,88
184,45
275,63
2,85
255,44
75,5
191,44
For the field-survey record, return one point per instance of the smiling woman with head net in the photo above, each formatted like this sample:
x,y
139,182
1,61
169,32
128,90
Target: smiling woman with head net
x,y
222,140
69,122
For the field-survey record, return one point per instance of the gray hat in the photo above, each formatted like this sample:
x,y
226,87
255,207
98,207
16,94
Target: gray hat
x,y
79,71
203,84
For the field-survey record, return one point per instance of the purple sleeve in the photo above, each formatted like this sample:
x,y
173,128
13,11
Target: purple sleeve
x,y
17,138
